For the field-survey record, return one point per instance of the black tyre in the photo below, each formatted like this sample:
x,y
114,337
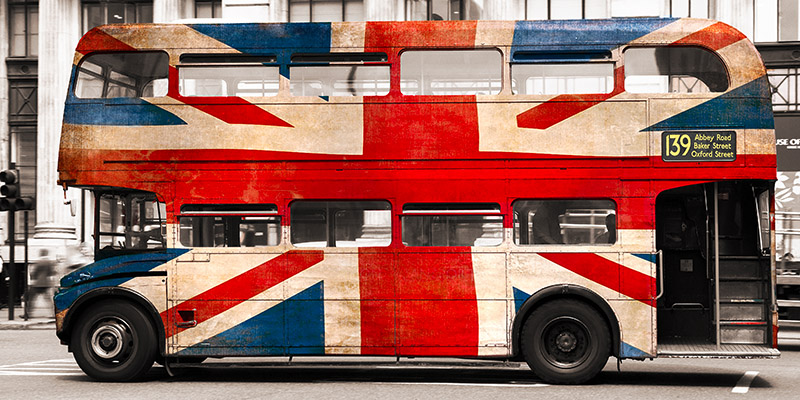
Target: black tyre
x,y
565,341
114,341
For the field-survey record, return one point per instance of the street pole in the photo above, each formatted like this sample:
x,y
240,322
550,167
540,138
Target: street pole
x,y
25,276
12,273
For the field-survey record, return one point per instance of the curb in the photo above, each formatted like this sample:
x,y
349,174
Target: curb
x,y
28,325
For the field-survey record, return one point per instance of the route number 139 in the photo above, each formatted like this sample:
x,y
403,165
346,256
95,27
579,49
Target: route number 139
x,y
678,144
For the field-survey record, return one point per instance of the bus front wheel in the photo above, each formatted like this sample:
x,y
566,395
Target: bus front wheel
x,y
114,341
565,341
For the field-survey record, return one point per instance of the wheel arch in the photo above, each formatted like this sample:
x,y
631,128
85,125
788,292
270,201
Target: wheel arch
x,y
558,292
89,298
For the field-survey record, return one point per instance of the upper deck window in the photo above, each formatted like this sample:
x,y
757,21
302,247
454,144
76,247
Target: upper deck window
x,y
122,74
674,70
553,79
227,75
451,72
341,74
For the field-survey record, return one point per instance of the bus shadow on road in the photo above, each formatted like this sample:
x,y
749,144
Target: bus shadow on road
x,y
348,374
671,379
512,377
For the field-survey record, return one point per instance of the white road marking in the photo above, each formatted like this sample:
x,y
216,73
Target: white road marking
x,y
61,367
744,382
528,385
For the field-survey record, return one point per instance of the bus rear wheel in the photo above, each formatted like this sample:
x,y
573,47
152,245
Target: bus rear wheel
x,y
566,342
114,341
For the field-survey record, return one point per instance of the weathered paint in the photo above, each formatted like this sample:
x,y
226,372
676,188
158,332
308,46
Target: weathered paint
x,y
400,300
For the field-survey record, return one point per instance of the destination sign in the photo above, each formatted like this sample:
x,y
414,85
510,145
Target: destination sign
x,y
698,146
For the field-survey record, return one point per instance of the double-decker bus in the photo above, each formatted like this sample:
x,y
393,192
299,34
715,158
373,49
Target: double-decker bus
x,y
556,192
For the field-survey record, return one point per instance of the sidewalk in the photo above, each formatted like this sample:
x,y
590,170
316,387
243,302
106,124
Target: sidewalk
x,y
39,320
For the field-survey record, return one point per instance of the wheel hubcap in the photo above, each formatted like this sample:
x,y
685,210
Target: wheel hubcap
x,y
566,342
110,339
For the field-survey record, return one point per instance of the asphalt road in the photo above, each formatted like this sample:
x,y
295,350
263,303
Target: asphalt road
x,y
34,366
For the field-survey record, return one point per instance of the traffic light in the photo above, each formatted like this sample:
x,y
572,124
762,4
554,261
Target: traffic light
x,y
11,201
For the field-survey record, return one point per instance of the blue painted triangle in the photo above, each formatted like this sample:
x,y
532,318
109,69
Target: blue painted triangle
x,y
295,326
628,351
519,299
646,256
746,107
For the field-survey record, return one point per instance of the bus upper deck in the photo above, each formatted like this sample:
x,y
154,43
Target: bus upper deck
x,y
577,91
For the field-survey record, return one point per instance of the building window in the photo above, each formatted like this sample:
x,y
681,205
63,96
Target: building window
x,y
99,12
785,88
23,29
326,10
208,9
448,10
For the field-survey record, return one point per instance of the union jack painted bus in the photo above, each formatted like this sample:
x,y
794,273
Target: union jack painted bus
x,y
556,192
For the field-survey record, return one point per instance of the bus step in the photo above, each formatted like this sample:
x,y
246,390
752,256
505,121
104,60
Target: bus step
x,y
713,351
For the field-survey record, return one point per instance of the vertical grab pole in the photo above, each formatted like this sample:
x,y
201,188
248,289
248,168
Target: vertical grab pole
x,y
660,257
716,262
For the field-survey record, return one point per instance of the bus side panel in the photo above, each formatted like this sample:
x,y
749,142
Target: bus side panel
x,y
626,281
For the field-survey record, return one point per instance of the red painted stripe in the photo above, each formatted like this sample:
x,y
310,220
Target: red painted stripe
x,y
376,285
418,301
565,106
715,37
242,287
619,278
383,35
233,110
97,40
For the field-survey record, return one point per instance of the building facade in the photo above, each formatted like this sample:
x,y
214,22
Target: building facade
x,y
38,48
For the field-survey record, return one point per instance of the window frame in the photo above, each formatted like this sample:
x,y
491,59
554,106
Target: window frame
x,y
221,61
516,237
103,4
126,196
342,3
229,210
492,92
330,228
79,70
430,210
673,48
29,8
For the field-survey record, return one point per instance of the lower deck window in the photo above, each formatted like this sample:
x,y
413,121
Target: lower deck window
x,y
341,223
229,225
565,222
452,225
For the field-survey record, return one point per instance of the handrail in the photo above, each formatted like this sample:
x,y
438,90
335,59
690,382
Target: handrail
x,y
660,255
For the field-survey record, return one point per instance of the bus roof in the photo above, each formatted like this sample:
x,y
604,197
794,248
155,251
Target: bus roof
x,y
580,34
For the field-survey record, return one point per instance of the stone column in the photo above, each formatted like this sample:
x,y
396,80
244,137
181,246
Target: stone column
x,y
171,10
502,10
381,10
59,31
